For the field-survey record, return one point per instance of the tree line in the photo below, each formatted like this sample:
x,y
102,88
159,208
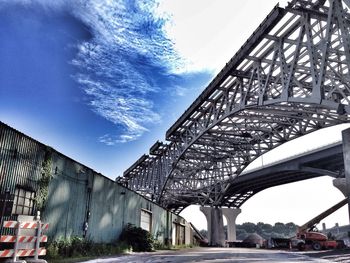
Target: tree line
x,y
266,231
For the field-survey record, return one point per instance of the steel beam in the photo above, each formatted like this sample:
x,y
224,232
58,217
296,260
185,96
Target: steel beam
x,y
290,78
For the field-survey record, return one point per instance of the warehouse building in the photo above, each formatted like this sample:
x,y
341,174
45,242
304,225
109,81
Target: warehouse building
x,y
74,199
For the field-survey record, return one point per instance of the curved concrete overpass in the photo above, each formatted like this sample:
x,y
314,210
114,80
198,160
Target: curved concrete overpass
x,y
325,161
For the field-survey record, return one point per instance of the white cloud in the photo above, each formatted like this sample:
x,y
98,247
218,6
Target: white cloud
x,y
137,43
121,64
204,35
122,109
112,140
208,33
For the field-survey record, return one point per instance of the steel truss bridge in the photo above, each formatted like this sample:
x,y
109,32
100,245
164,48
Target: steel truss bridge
x,y
290,78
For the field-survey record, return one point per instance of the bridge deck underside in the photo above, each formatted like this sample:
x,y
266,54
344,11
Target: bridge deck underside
x,y
290,78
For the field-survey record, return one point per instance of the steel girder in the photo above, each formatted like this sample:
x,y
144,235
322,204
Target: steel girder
x,y
290,78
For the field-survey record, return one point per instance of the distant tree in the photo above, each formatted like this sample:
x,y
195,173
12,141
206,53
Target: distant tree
x,y
264,228
249,227
292,228
241,234
279,228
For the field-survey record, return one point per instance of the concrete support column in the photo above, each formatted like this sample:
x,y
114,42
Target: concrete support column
x,y
207,212
340,183
215,222
344,183
231,215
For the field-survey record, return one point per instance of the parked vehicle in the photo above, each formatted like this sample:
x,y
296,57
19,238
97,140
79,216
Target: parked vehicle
x,y
308,236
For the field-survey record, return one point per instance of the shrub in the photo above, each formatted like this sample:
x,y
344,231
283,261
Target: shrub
x,y
138,238
52,251
80,246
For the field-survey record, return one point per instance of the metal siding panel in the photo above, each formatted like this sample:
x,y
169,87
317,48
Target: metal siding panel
x,y
17,165
106,210
68,192
65,209
6,157
2,157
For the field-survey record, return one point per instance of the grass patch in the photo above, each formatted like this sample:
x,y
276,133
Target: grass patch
x,y
76,248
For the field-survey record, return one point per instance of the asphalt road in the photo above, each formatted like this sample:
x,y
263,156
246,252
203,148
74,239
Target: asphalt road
x,y
213,255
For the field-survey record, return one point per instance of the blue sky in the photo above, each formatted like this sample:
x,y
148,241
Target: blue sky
x,y
93,81
101,81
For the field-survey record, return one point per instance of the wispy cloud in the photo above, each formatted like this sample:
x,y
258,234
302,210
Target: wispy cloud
x,y
128,64
122,67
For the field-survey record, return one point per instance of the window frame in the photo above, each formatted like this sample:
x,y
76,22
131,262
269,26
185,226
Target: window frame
x,y
150,214
23,202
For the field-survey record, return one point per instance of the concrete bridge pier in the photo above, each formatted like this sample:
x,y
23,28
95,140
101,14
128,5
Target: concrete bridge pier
x,y
231,215
343,184
215,222
340,183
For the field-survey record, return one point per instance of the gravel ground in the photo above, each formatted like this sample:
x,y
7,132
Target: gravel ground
x,y
225,255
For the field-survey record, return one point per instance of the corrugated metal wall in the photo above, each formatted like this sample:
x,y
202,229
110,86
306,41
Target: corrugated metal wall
x,y
81,202
21,159
20,162
66,204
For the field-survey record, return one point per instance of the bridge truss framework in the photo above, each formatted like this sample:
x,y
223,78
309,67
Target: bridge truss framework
x,y
290,78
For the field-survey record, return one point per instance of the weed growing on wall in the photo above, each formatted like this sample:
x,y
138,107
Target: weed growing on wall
x,y
44,181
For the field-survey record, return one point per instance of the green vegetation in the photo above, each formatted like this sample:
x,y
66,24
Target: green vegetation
x,y
43,182
132,238
266,230
77,247
138,238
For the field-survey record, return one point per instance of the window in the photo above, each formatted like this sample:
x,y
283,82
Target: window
x,y
146,220
23,203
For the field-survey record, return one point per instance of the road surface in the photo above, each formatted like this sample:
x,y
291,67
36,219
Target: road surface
x,y
212,255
